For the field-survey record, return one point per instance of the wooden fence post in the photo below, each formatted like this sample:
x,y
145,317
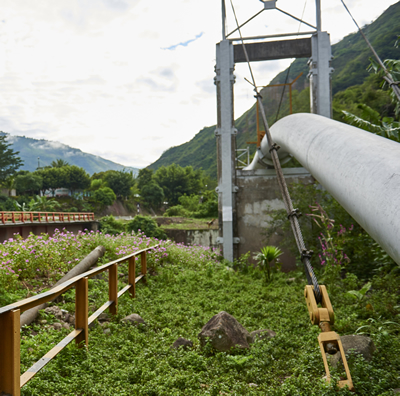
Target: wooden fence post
x,y
143,261
10,353
132,276
113,288
81,311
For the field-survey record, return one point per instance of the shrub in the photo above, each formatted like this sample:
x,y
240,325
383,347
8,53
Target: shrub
x,y
146,225
109,225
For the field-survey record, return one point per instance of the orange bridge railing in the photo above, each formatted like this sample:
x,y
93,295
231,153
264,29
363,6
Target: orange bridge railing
x,y
44,217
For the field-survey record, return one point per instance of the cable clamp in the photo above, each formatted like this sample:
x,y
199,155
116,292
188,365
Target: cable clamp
x,y
274,147
306,254
294,212
258,95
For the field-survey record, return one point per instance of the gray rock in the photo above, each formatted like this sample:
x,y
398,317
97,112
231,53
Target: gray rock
x,y
44,321
66,326
103,317
359,343
55,311
262,334
57,326
224,332
107,331
134,319
182,342
71,319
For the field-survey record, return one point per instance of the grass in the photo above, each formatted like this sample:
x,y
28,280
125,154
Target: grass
x,y
183,223
183,295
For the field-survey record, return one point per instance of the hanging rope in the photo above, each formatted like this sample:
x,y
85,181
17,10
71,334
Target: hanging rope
x,y
388,77
292,213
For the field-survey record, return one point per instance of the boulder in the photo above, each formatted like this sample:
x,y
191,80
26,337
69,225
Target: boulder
x,y
134,319
224,332
56,311
359,343
182,342
57,326
262,334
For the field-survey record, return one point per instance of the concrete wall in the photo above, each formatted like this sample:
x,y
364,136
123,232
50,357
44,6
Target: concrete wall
x,y
194,237
257,197
8,231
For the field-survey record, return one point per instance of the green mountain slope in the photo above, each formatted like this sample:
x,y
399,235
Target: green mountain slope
x,y
351,60
48,151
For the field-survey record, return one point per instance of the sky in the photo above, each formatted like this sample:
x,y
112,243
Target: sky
x,y
128,79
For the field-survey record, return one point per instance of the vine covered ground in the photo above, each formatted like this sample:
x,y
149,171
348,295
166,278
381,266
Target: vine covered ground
x,y
185,288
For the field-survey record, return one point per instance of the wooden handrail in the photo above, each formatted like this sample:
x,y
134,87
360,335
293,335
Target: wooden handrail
x,y
13,217
10,379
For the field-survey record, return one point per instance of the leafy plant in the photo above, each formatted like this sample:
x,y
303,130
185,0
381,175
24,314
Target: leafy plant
x,y
268,257
146,225
360,294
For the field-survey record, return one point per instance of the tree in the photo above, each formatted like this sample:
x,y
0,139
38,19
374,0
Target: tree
x,y
177,181
120,182
145,176
9,161
77,178
28,183
104,196
59,163
153,194
53,178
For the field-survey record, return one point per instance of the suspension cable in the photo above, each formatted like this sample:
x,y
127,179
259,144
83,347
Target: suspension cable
x,y
292,213
388,77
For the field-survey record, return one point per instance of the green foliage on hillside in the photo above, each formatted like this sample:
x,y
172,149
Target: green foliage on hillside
x,y
351,85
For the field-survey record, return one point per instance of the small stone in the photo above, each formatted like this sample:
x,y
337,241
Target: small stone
x,y
182,342
224,332
107,331
71,319
134,319
57,326
103,317
263,334
66,326
55,311
252,385
43,321
66,317
291,279
359,343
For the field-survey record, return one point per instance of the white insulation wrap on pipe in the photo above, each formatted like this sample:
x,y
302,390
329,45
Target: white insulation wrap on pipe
x,y
359,169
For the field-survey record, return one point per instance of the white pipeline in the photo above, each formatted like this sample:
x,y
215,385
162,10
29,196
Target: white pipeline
x,y
359,169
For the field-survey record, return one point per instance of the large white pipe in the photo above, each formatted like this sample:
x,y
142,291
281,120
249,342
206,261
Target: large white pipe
x,y
359,169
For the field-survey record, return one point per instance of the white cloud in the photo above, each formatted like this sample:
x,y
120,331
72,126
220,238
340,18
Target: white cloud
x,y
127,79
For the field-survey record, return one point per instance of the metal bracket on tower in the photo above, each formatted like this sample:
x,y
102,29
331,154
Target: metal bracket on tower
x,y
220,240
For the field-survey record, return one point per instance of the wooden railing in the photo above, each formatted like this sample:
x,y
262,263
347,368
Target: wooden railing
x,y
44,217
10,379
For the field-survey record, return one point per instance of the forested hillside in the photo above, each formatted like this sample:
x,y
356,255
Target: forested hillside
x,y
48,151
352,84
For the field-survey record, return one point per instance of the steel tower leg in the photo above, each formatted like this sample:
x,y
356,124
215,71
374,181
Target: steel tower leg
x,y
225,134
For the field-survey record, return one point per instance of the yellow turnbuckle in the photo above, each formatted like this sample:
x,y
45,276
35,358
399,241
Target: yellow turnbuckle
x,y
329,341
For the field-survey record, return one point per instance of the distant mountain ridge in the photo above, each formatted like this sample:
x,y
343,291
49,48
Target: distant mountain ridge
x,y
351,59
47,151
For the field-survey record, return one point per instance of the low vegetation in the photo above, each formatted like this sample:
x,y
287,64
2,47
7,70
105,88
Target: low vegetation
x,y
187,286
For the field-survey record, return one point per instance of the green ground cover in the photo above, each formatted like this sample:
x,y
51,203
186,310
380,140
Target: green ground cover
x,y
187,287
